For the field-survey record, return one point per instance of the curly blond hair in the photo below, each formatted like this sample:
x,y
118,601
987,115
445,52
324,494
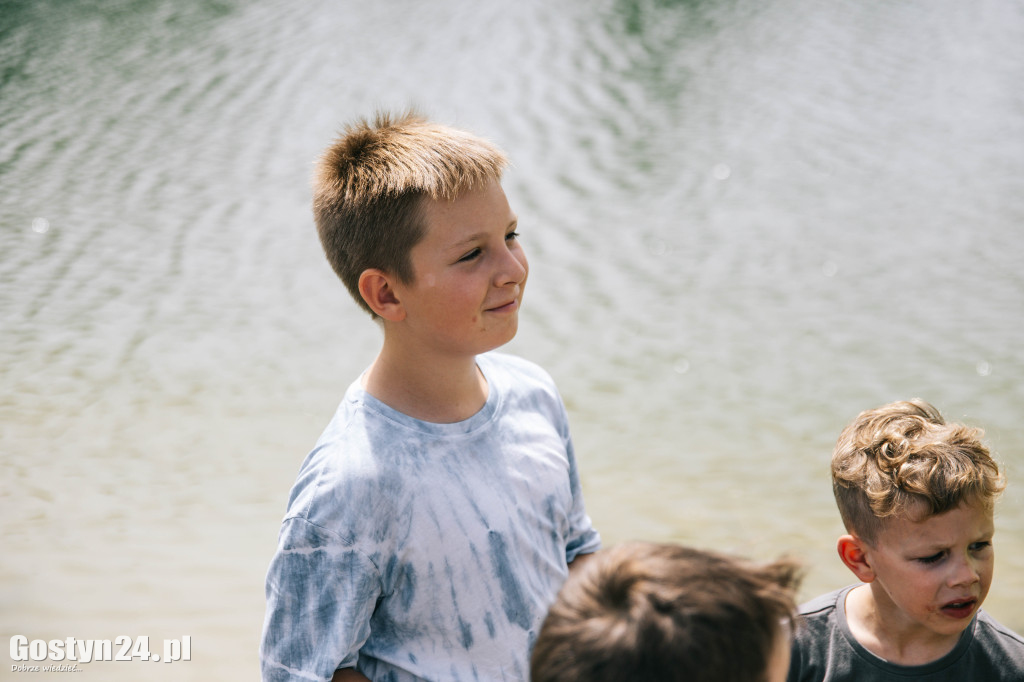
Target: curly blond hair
x,y
903,458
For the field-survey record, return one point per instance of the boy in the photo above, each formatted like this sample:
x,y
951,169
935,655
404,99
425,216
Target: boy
x,y
665,613
916,496
436,517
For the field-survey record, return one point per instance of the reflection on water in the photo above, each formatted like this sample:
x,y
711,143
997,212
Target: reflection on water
x,y
745,224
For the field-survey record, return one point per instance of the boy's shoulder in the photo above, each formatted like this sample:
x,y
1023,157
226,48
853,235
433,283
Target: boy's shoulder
x,y
823,602
523,385
819,640
999,643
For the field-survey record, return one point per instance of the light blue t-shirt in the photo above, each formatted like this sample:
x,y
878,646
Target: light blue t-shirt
x,y
421,551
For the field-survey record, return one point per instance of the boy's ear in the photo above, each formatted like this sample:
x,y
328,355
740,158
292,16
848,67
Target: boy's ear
x,y
375,286
854,552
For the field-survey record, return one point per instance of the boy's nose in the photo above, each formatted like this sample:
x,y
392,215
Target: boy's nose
x,y
964,573
513,268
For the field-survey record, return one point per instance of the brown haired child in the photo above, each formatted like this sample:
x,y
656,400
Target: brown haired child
x,y
667,613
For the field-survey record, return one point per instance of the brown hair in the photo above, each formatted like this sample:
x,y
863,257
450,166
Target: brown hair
x,y
660,612
369,184
904,456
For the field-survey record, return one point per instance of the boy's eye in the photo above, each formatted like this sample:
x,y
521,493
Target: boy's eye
x,y
979,546
469,256
934,558
511,235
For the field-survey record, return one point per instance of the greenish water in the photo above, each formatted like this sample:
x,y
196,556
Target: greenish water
x,y
745,225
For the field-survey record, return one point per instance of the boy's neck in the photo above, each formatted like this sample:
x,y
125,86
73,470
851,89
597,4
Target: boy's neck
x,y
435,389
880,628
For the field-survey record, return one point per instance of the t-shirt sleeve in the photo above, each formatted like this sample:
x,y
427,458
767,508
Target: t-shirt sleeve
x,y
583,538
320,597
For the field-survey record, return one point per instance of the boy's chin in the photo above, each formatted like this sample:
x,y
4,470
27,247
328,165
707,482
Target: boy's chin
x,y
499,341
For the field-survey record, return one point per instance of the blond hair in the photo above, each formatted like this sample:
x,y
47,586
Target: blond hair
x,y
650,611
369,184
903,458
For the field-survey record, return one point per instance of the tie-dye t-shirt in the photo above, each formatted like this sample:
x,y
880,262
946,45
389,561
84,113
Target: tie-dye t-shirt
x,y
422,551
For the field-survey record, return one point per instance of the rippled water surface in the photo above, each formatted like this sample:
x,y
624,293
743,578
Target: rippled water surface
x,y
746,223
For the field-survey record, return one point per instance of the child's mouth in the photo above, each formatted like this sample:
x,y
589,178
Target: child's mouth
x,y
508,307
959,609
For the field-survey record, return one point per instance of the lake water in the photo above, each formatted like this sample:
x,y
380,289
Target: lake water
x,y
746,223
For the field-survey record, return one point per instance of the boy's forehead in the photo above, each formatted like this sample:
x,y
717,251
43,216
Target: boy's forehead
x,y
916,522
476,208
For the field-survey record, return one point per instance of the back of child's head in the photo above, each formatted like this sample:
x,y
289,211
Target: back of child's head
x,y
903,459
369,185
665,613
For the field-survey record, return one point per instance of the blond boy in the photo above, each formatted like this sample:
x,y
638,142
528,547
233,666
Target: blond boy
x,y
437,516
667,613
916,495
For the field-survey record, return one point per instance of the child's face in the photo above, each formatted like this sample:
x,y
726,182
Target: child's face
x,y
934,574
469,274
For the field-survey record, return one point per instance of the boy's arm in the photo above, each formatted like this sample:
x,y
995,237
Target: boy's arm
x,y
577,563
349,675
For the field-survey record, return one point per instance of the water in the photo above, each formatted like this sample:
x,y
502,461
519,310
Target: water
x,y
745,225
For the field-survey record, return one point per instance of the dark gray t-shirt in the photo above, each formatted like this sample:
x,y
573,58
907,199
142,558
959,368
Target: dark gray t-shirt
x,y
824,650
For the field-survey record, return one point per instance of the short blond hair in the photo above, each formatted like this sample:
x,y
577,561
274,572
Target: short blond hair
x,y
904,457
369,184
